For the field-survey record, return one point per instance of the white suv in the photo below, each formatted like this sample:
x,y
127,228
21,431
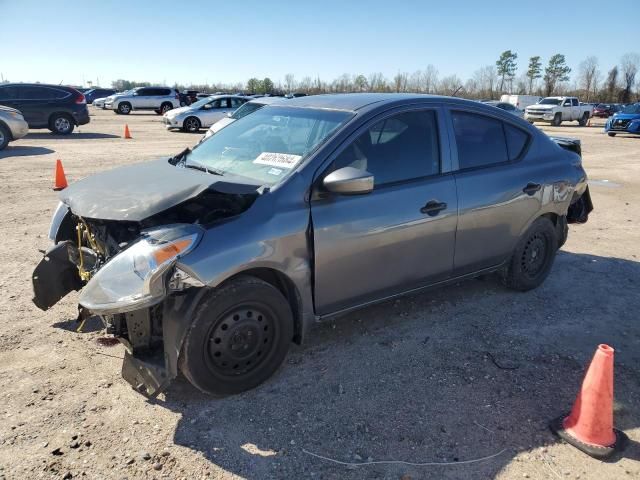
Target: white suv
x,y
158,99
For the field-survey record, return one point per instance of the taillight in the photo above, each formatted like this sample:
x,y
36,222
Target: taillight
x,y
80,98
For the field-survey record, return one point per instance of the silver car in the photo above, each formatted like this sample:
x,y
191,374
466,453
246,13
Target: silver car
x,y
203,113
213,261
507,107
12,126
246,108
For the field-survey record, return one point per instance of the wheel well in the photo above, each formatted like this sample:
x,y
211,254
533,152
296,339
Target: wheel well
x,y
285,286
553,217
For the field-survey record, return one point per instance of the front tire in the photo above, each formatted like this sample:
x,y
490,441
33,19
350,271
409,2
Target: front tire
x,y
61,124
191,125
557,120
240,335
533,257
611,134
5,136
124,108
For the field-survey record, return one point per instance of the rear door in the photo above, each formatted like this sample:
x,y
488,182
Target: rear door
x,y
37,103
497,195
401,235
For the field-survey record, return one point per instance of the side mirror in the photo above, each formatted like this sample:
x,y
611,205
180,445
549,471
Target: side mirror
x,y
349,181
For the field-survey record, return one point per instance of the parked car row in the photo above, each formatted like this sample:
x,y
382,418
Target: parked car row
x,y
56,107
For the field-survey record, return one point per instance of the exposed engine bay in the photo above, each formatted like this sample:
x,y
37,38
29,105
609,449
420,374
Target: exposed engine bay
x,y
88,244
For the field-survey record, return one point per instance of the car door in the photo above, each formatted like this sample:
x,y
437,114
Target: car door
x,y
575,109
142,98
401,235
567,110
497,193
214,111
34,104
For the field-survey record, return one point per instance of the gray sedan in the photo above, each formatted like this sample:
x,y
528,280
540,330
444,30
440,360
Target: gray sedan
x,y
212,262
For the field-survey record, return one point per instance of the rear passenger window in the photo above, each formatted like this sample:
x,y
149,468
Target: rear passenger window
x,y
8,93
516,140
399,148
480,140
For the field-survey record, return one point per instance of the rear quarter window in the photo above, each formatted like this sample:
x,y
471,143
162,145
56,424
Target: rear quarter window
x,y
517,140
480,140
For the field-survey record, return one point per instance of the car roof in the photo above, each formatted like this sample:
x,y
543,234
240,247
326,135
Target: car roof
x,y
48,85
366,101
268,100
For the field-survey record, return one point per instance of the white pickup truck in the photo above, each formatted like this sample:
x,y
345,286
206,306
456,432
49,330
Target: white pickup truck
x,y
556,110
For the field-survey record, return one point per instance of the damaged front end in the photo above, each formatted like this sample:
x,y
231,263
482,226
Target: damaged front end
x,y
129,275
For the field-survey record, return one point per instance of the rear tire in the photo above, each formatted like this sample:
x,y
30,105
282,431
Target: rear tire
x,y
611,134
240,335
557,120
533,257
61,124
124,108
191,125
584,120
5,136
165,107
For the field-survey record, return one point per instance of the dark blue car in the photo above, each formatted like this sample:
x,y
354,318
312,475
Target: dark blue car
x,y
94,93
627,121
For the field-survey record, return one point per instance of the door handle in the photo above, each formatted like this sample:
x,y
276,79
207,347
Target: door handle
x,y
433,207
531,188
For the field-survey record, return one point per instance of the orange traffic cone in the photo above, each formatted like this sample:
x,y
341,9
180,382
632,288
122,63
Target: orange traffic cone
x,y
126,131
589,426
60,181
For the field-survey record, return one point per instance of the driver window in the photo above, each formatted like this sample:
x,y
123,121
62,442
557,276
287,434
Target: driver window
x,y
567,103
399,148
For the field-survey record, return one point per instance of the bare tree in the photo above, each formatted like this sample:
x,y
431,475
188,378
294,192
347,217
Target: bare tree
x,y
289,82
629,64
400,82
587,74
449,85
377,82
486,78
429,79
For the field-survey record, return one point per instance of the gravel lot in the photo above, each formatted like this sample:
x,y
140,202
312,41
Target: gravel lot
x,y
447,376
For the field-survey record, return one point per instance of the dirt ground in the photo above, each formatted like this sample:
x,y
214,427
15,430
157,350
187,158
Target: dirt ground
x,y
452,375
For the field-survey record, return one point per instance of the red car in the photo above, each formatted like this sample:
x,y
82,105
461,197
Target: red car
x,y
605,110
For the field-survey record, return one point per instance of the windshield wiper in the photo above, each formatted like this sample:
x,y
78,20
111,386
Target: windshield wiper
x,y
179,157
202,168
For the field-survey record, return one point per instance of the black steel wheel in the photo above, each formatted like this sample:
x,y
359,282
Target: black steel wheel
x,y
533,256
240,335
557,120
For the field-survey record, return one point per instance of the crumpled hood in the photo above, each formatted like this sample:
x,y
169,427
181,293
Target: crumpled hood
x,y
138,191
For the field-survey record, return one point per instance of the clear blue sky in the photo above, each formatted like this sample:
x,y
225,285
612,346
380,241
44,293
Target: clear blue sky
x,y
199,41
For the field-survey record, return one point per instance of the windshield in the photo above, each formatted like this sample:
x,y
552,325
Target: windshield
x,y
203,102
550,101
246,109
266,146
634,109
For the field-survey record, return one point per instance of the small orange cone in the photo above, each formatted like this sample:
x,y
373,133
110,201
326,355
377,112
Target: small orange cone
x,y
60,181
589,426
126,131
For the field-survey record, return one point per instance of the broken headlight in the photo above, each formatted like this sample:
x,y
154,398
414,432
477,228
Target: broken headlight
x,y
135,278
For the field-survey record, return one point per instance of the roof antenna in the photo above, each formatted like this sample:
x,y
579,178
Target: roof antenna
x,y
457,90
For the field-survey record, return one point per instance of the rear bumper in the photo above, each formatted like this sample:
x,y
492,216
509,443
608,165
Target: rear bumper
x,y
82,116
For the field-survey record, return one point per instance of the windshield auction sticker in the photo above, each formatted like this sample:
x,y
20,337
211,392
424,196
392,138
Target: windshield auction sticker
x,y
282,160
